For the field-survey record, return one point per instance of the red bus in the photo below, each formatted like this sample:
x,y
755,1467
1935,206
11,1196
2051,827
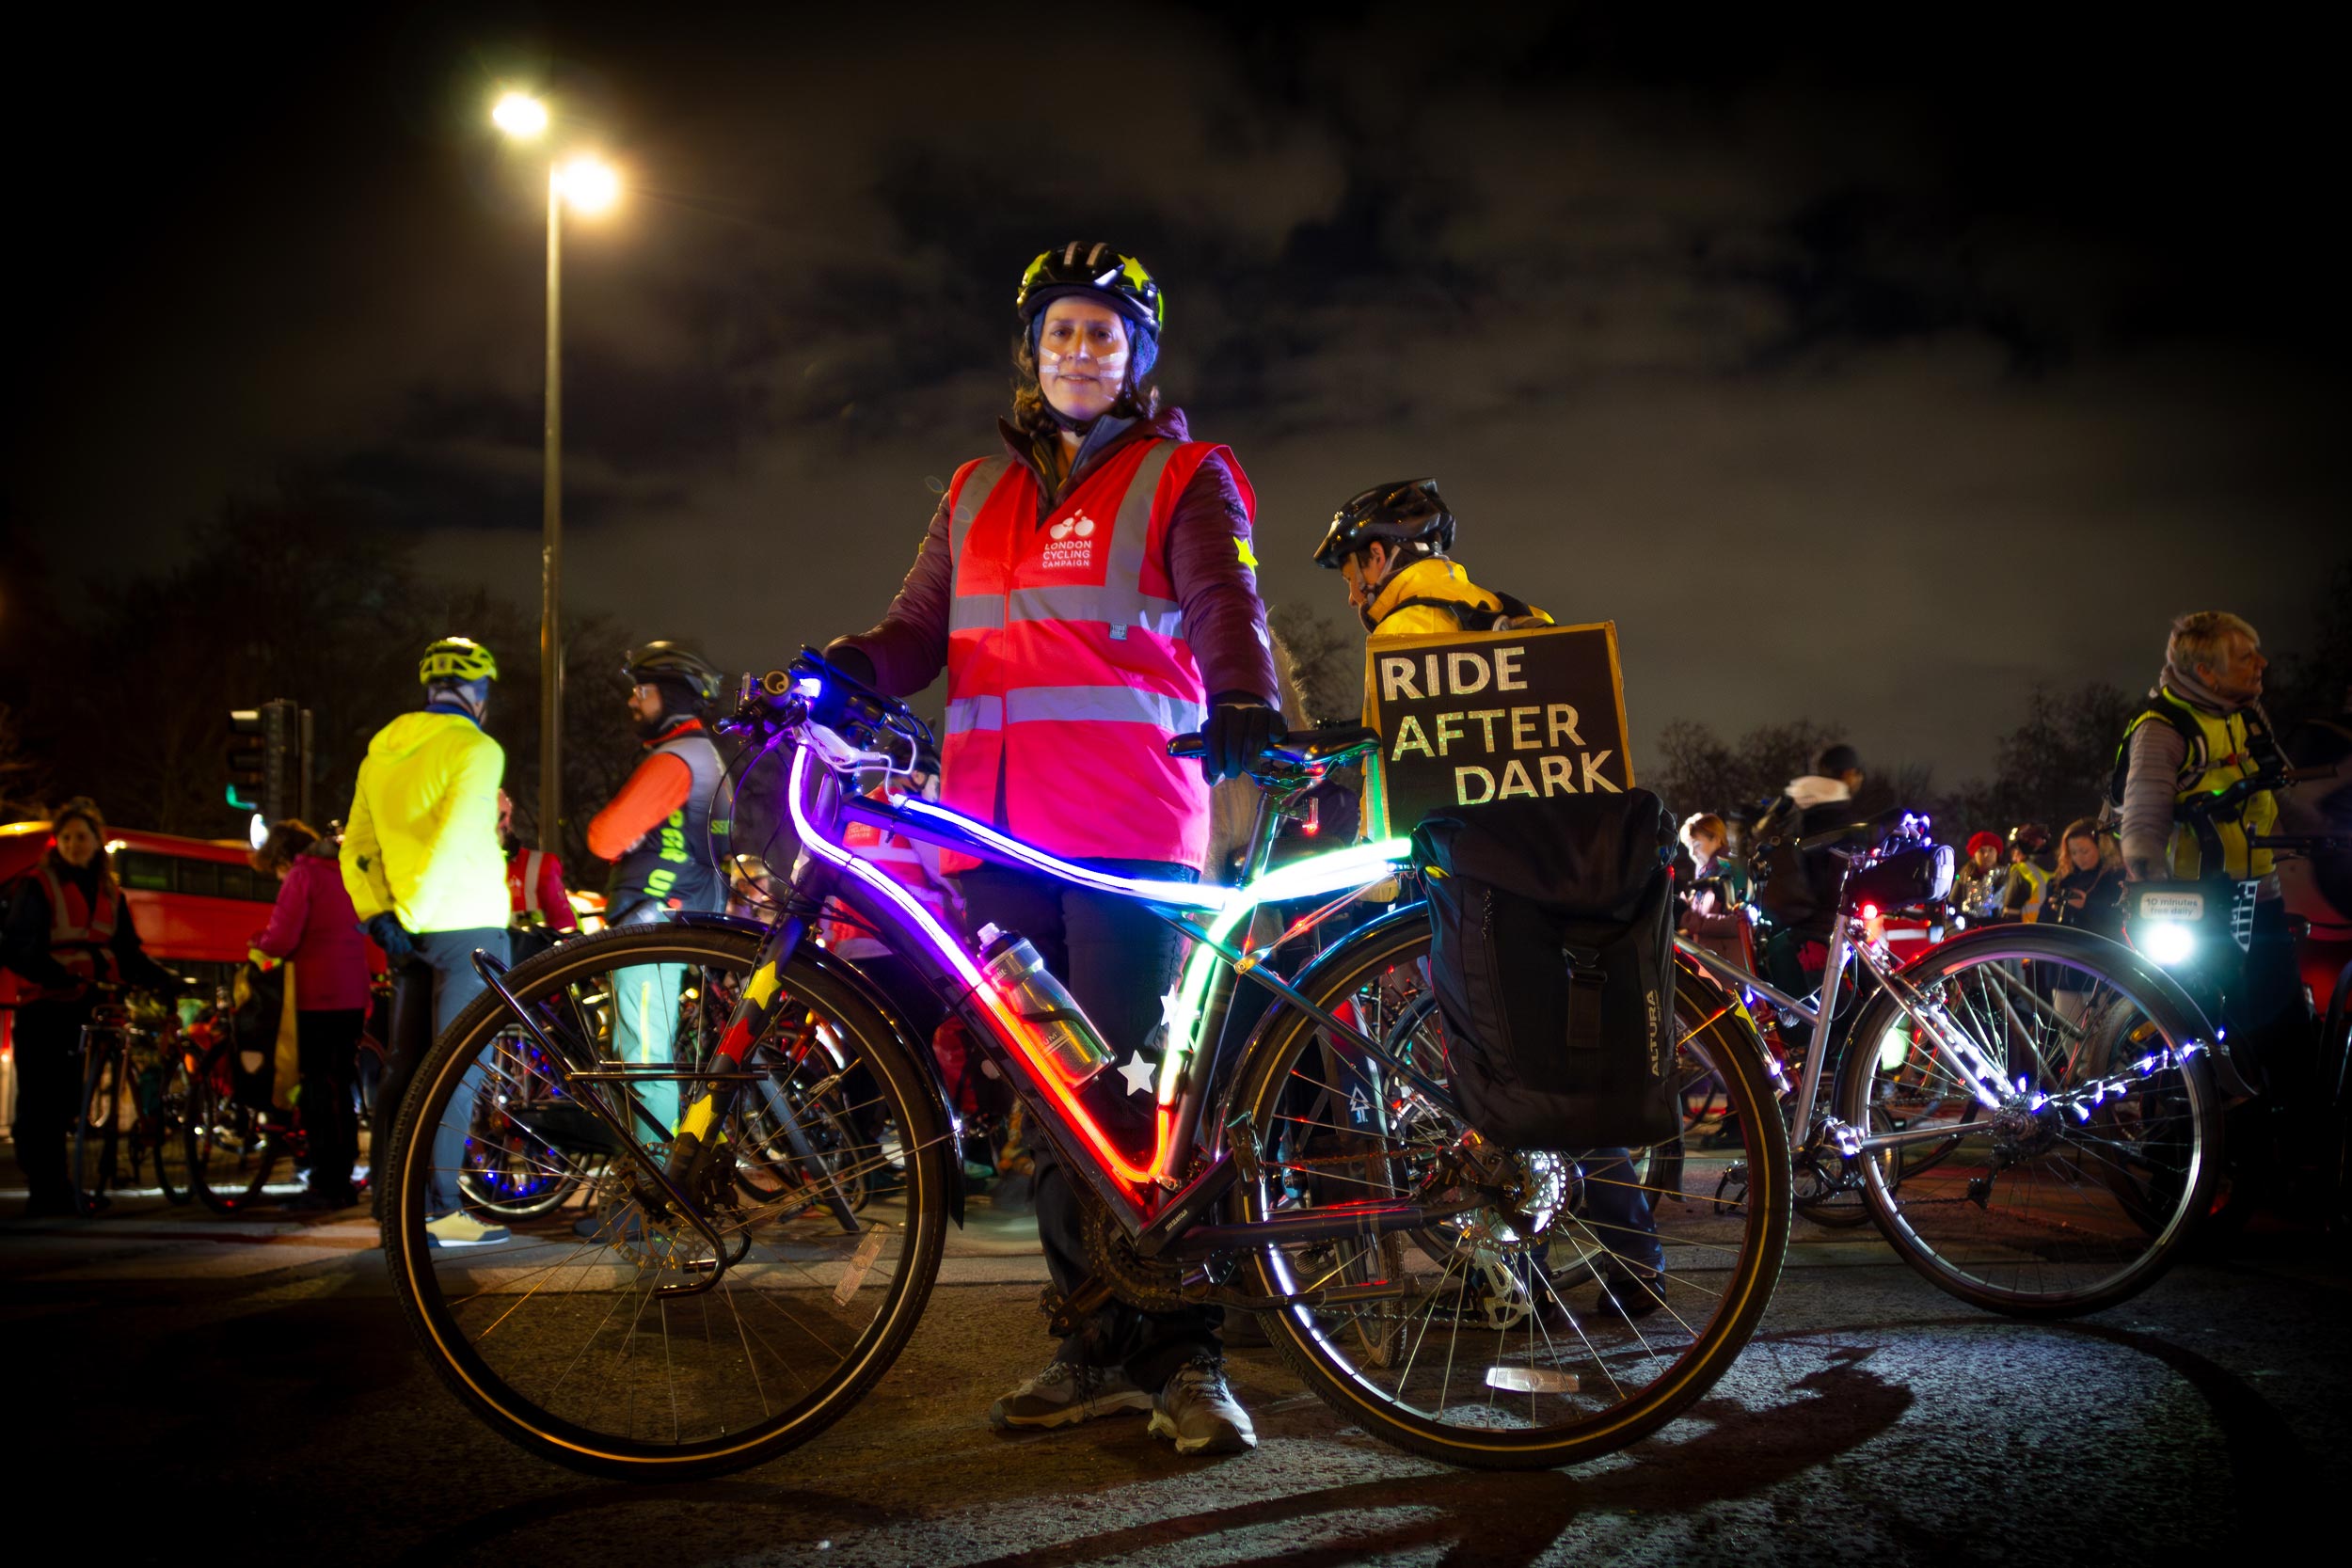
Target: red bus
x,y
196,902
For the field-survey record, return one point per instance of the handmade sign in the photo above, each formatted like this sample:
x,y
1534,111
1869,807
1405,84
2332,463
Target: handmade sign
x,y
1469,716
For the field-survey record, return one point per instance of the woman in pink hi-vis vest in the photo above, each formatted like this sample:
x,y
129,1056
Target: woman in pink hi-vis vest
x,y
1091,594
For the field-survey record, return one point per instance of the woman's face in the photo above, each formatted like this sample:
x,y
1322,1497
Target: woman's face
x,y
1082,357
1705,847
1987,857
2083,852
76,845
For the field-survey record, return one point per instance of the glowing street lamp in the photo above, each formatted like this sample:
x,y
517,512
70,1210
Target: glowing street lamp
x,y
589,185
519,115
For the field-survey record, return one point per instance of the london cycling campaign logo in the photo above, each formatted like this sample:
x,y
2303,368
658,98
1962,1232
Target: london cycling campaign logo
x,y
1069,544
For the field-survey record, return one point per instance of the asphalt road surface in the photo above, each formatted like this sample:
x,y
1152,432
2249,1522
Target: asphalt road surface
x,y
187,1389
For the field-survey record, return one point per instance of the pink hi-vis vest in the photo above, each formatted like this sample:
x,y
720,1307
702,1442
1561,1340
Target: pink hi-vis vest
x,y
898,858
1068,673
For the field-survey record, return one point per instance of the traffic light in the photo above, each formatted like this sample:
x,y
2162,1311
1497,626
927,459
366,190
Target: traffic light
x,y
265,759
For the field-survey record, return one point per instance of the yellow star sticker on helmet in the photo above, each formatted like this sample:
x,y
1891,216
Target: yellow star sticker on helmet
x,y
1240,547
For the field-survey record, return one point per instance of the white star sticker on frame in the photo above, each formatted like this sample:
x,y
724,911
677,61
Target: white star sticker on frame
x,y
1139,1074
1175,1012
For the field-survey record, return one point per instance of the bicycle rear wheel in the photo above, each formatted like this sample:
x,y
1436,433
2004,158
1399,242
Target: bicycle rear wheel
x,y
2075,1189
231,1148
572,1338
1501,1338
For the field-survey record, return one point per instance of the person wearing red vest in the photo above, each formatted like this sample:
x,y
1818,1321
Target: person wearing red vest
x,y
69,931
534,881
1091,594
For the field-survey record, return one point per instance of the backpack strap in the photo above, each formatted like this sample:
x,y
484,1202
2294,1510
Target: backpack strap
x,y
2171,713
1456,607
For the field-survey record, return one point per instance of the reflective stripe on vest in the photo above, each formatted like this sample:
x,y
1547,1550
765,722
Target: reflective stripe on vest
x,y
903,864
81,932
2220,755
1067,669
527,891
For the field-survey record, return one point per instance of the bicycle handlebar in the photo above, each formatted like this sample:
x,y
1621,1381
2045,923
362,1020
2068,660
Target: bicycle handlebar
x,y
1299,749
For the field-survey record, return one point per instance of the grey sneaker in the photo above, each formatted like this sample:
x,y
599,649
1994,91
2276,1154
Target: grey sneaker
x,y
1063,1395
1198,1414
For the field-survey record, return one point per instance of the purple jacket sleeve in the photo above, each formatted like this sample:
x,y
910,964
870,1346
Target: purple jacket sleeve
x,y
287,918
1217,588
909,645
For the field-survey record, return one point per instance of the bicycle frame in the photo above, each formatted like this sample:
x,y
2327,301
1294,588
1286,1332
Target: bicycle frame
x,y
1985,1081
1142,1189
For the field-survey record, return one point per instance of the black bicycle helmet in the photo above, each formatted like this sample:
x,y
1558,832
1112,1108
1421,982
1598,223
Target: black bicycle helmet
x,y
676,662
2032,837
1080,268
1409,512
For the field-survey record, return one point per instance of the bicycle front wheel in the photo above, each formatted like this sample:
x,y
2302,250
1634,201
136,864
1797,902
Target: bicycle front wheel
x,y
101,1120
175,1098
2074,1187
612,1337
1596,1295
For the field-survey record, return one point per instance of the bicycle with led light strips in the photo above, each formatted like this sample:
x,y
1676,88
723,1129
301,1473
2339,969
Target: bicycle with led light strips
x,y
2029,1113
2293,1147
1444,1292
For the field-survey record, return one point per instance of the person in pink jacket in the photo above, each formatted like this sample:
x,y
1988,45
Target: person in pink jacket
x,y
313,924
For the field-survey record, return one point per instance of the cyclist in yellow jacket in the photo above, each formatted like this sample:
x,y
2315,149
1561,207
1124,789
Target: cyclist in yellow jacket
x,y
1391,542
427,877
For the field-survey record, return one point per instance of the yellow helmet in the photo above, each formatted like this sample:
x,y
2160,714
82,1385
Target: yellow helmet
x,y
457,658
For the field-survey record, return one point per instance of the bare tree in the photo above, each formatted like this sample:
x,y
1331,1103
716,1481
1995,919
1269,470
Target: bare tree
x,y
1329,660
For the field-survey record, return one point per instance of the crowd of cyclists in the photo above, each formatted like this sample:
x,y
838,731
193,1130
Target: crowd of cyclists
x,y
1089,588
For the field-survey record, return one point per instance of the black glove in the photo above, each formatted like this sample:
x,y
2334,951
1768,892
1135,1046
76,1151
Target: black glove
x,y
852,661
391,935
1240,728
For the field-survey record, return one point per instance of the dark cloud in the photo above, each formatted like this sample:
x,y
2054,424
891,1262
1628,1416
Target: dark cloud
x,y
1876,372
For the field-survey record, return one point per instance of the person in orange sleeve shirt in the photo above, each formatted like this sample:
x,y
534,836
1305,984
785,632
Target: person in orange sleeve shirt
x,y
657,834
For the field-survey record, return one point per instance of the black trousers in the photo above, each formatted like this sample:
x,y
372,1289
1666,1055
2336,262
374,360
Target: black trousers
x,y
1118,959
48,1040
326,1042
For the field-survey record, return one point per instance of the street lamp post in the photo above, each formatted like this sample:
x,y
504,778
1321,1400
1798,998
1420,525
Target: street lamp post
x,y
551,543
590,186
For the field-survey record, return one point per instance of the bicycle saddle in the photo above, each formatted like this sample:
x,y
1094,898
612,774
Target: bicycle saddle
x,y
1867,831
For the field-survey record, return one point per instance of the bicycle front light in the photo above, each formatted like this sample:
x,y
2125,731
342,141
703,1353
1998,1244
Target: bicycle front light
x,y
2167,943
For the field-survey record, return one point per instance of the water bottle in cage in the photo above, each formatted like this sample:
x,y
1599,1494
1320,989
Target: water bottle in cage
x,y
1012,965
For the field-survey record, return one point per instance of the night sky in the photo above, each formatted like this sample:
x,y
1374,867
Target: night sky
x,y
1875,372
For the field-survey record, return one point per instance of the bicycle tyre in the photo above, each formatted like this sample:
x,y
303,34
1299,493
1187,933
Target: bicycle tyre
x,y
97,1133
172,1173
231,1148
2091,1209
1382,1397
444,1305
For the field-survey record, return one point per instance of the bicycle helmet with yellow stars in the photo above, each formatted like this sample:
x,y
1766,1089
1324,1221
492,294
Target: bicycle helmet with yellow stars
x,y
457,658
1097,270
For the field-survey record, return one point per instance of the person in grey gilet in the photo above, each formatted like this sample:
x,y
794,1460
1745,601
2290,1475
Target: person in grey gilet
x,y
657,834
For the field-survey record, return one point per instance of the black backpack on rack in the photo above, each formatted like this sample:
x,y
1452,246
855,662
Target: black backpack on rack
x,y
1553,957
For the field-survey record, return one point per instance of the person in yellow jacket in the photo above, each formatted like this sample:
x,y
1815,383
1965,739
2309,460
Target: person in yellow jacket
x,y
1391,542
422,861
